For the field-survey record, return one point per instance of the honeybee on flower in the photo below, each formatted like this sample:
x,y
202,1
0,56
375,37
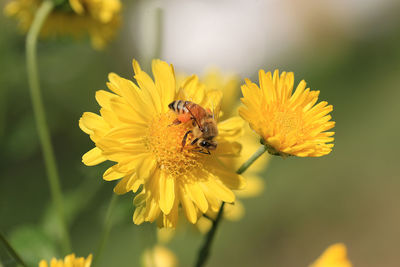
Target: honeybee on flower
x,y
134,131
204,124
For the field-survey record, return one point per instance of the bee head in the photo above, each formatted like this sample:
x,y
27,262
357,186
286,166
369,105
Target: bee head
x,y
208,144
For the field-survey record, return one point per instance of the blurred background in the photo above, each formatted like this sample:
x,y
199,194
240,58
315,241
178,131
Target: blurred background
x,y
350,50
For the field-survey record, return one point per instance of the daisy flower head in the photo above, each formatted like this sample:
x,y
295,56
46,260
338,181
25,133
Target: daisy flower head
x,y
69,261
334,256
100,19
137,130
288,123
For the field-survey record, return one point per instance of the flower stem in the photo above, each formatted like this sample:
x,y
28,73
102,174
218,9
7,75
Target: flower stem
x,y
261,150
33,78
106,229
10,250
205,249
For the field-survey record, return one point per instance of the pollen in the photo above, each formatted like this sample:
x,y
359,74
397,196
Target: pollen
x,y
164,140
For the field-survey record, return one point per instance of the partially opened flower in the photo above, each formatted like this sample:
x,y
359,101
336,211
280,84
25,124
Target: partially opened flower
x,y
69,261
98,18
334,256
289,124
137,130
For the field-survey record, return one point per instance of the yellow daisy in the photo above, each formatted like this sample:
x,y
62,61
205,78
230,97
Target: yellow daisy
x,y
229,84
69,261
135,129
159,256
290,124
334,256
98,18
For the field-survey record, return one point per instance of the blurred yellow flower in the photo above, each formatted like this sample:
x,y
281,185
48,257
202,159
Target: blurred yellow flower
x,y
135,130
69,261
334,256
159,256
290,124
229,84
98,18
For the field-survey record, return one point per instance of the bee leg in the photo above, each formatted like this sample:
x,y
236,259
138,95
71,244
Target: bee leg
x,y
175,122
184,139
207,152
194,141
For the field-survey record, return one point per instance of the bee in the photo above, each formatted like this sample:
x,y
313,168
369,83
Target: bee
x,y
204,124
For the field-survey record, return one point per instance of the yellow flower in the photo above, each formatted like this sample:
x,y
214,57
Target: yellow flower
x,y
69,261
135,129
159,256
230,86
98,18
290,124
333,256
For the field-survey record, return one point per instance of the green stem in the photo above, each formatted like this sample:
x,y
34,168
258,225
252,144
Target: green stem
x,y
33,78
205,249
106,229
261,150
10,249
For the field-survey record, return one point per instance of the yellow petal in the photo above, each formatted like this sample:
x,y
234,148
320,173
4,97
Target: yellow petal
x,y
171,220
104,98
192,90
167,192
93,157
187,205
112,174
212,101
152,210
234,212
120,188
43,263
227,149
197,195
335,256
146,167
204,225
231,129
90,122
255,186
164,78
220,190
148,87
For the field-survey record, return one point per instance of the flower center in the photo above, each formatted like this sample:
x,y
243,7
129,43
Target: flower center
x,y
287,121
164,140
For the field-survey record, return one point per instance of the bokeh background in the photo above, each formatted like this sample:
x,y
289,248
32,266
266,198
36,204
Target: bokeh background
x,y
350,50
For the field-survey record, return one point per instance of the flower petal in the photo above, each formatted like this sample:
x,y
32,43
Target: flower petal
x,y
167,192
93,157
